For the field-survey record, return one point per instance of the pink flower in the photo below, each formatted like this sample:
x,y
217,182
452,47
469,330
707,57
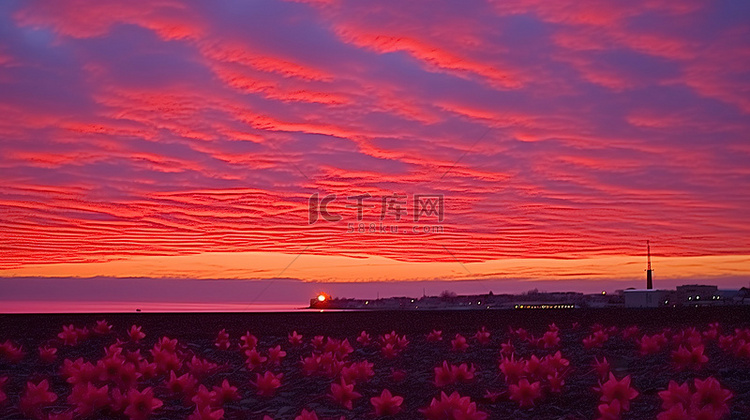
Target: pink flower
x,y
295,339
275,354
206,413
459,343
386,404
389,351
550,340
201,367
617,390
452,407
364,338
203,397
709,393
35,397
254,359
226,393
507,348
69,335
435,336
525,393
556,382
184,384
358,372
652,344
444,375
307,415
310,364
630,332
11,352
88,398
344,394
398,375
47,354
610,411
267,383
676,412
102,327
222,340
249,341
136,334
675,395
512,369
141,404
464,373
689,359
3,396
483,336
602,367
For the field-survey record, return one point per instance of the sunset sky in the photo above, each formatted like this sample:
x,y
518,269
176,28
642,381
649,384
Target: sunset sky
x,y
169,139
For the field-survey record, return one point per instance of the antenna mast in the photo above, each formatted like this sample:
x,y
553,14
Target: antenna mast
x,y
649,271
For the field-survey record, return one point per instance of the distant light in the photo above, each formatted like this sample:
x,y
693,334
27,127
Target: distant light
x,y
321,297
697,298
367,302
603,292
412,301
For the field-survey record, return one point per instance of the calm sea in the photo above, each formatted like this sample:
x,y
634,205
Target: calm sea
x,y
27,307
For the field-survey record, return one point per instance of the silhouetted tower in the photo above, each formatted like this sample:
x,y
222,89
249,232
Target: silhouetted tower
x,y
649,271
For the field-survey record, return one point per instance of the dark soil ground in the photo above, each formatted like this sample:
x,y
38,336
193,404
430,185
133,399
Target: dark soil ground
x,y
650,374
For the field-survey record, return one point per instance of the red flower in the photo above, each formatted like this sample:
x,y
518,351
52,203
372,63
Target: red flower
x,y
294,338
397,375
11,352
69,335
222,340
275,354
459,343
201,367
344,394
522,334
444,375
709,393
47,354
307,415
358,372
512,369
452,407
630,332
463,373
386,404
141,404
435,336
556,361
602,367
483,336
556,382
525,393
249,341
254,359
102,327
507,348
167,344
203,397
389,351
317,342
226,393
676,412
550,339
675,395
88,398
652,344
364,338
78,371
693,359
136,334
611,411
206,413
165,360
3,396
491,396
267,383
184,384
617,390
310,364
35,397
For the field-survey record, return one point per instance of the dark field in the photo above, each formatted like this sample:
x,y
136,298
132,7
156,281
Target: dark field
x,y
197,333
